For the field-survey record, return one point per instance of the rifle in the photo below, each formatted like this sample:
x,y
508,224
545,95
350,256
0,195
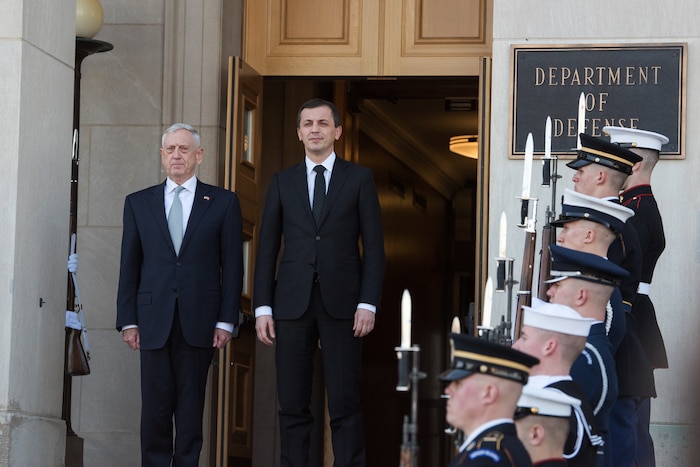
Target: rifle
x,y
526,276
528,222
549,232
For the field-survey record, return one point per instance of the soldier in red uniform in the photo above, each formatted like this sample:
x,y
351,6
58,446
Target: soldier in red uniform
x,y
638,196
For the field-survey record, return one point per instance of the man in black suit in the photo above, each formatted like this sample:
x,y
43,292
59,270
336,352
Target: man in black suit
x,y
179,294
324,292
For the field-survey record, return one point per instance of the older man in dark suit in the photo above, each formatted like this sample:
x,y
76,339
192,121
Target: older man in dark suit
x,y
179,295
323,289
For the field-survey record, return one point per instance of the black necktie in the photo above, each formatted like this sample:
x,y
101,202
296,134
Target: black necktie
x,y
319,193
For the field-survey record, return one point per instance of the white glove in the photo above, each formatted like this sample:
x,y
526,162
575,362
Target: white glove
x,y
73,320
73,263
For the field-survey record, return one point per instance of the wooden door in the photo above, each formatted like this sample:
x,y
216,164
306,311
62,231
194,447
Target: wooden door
x,y
312,37
435,37
384,38
236,362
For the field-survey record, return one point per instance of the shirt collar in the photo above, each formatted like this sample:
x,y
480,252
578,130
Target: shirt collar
x,y
328,163
189,185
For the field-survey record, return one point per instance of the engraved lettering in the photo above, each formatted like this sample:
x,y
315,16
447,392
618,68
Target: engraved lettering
x,y
539,76
602,100
613,76
565,74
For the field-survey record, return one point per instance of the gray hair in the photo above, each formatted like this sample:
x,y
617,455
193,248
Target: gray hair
x,y
182,126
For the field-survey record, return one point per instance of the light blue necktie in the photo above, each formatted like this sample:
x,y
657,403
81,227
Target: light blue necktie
x,y
175,220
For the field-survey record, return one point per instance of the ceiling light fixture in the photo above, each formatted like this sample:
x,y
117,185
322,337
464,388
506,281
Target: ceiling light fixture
x,y
465,145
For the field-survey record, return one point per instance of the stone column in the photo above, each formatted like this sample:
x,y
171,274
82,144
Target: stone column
x,y
37,47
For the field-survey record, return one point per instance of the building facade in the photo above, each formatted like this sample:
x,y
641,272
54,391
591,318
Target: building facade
x,y
169,64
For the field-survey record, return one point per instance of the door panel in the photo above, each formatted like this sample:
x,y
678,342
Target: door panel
x,y
436,37
310,37
366,38
236,367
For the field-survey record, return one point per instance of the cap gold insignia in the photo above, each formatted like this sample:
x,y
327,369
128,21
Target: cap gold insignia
x,y
492,360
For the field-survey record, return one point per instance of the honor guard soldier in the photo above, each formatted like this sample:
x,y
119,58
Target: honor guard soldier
x,y
602,168
638,196
591,224
556,334
485,381
585,281
542,421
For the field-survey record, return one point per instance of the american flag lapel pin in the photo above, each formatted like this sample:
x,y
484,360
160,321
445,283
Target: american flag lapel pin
x,y
206,198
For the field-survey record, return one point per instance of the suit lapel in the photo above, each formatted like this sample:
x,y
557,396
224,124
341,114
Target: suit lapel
x,y
156,203
202,200
338,178
301,187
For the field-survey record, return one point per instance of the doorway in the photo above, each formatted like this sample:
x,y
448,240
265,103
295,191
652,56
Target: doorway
x,y
399,128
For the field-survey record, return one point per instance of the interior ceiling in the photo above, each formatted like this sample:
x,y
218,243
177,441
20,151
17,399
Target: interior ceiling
x,y
431,110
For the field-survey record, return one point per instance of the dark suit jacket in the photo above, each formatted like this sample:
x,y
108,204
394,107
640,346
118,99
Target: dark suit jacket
x,y
205,279
351,211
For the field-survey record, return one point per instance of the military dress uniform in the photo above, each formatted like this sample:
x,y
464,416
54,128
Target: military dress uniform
x,y
494,446
581,449
634,372
616,321
594,370
494,442
649,226
539,403
579,206
584,444
647,221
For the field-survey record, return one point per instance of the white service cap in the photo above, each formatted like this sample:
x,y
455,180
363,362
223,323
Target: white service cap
x,y
635,138
544,401
557,318
576,206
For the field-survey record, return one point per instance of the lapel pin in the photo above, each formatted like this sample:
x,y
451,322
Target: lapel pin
x,y
206,198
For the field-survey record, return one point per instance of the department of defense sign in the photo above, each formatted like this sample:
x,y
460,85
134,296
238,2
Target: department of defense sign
x,y
631,85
